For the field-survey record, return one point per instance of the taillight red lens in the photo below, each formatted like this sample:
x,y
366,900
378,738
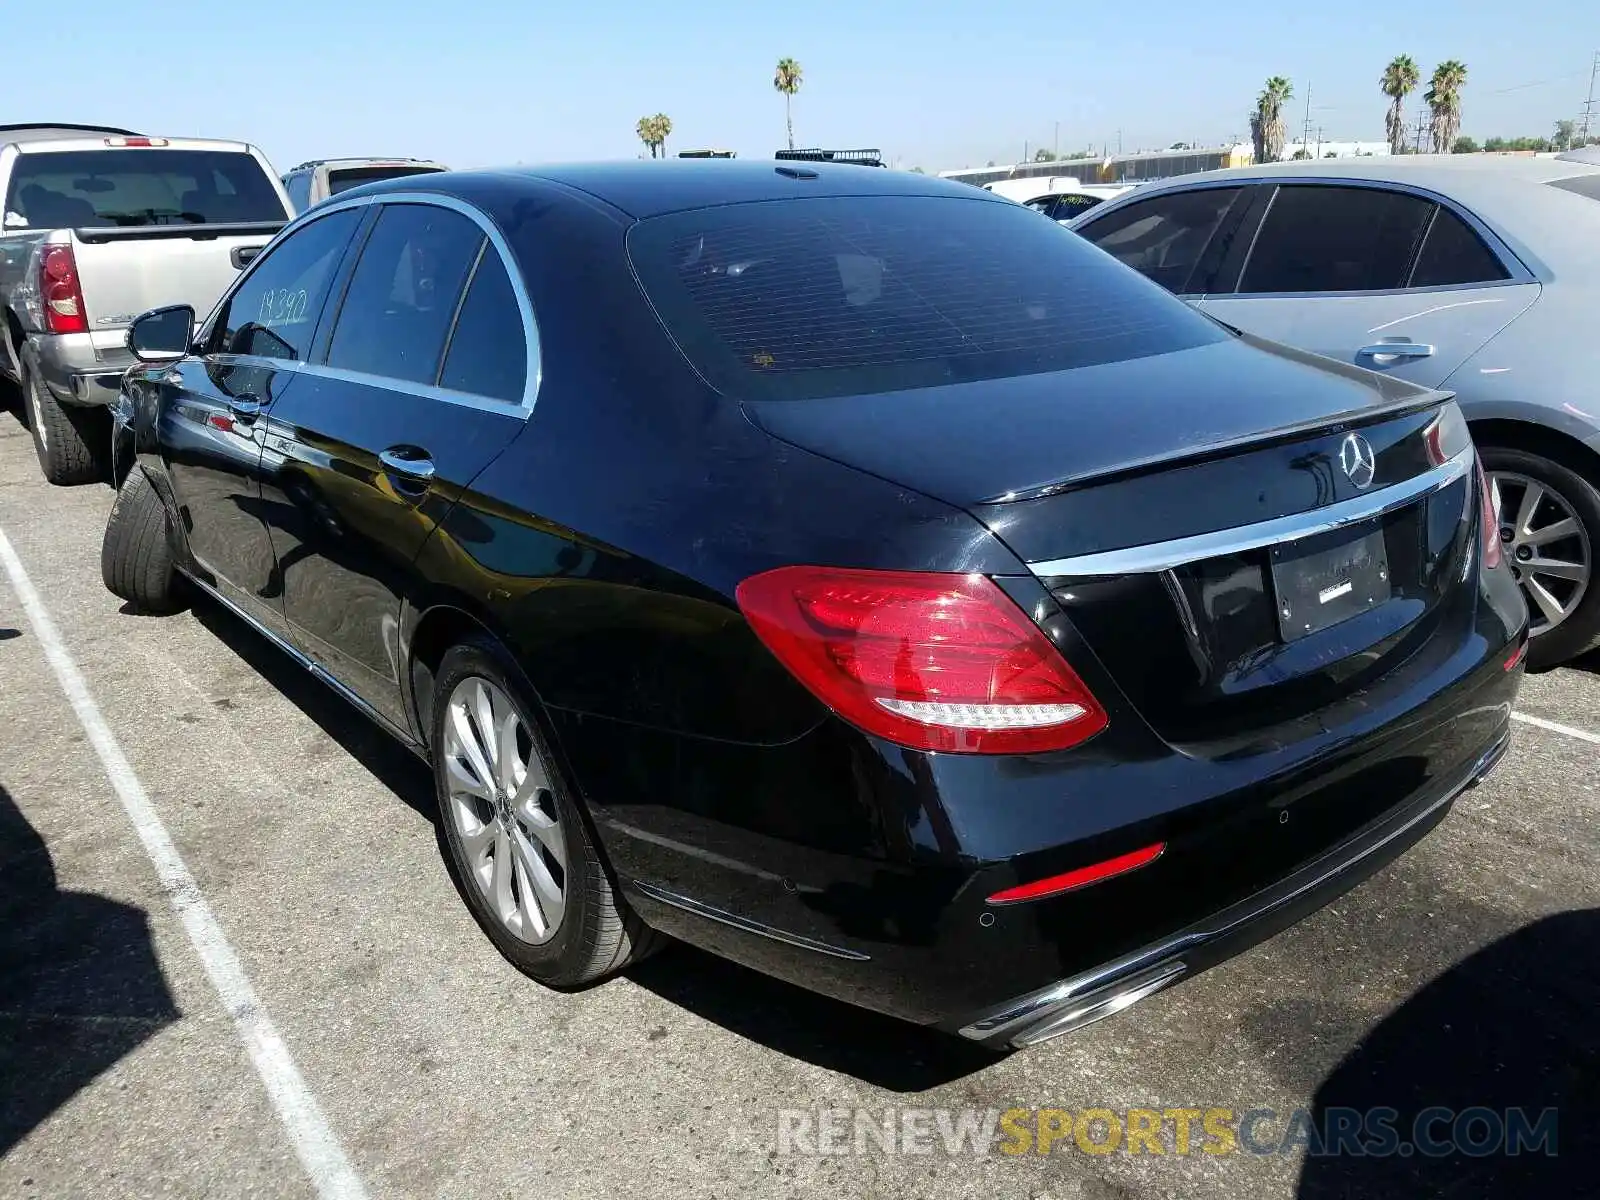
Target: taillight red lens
x,y
1488,521
60,291
930,661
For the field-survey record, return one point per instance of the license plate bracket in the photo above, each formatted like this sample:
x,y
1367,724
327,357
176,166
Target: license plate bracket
x,y
1330,578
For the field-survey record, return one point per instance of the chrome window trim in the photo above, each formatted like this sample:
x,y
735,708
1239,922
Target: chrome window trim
x,y
530,329
1164,556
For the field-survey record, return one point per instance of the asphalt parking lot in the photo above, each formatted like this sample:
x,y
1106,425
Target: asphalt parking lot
x,y
380,1046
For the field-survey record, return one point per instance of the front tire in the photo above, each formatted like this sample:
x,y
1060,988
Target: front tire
x,y
71,442
1550,534
136,554
524,856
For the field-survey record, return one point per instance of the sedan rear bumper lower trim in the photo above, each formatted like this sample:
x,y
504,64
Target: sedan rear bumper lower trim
x,y
1087,997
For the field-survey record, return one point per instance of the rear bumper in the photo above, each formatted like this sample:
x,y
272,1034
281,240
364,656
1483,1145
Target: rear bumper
x,y
81,368
1091,995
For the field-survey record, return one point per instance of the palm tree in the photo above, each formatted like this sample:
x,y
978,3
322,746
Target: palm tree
x,y
653,132
1266,123
1444,102
1399,80
787,80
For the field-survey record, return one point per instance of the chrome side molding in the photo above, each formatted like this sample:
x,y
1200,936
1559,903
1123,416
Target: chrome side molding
x,y
1164,556
743,923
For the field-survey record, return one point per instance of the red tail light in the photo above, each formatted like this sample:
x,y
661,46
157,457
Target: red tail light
x,y
61,292
1488,521
930,661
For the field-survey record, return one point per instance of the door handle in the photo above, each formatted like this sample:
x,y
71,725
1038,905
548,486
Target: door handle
x,y
411,463
243,256
245,409
1388,352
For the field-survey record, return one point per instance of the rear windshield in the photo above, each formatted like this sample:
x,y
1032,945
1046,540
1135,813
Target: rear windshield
x,y
343,181
799,299
79,188
1583,185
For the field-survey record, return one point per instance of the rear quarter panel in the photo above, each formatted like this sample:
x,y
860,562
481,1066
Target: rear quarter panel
x,y
1540,369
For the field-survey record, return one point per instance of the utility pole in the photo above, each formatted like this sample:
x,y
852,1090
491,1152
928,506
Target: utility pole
x,y
1305,133
1055,146
1119,141
1588,105
1422,115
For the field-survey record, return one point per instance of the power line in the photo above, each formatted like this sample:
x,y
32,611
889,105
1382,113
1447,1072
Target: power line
x,y
1589,104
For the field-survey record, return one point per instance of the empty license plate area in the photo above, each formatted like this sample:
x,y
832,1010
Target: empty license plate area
x,y
1330,578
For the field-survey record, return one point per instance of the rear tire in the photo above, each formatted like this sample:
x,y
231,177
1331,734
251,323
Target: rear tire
x,y
525,821
71,442
1567,492
136,554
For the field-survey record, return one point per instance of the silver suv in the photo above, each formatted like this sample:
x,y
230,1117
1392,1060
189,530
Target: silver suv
x,y
98,225
313,182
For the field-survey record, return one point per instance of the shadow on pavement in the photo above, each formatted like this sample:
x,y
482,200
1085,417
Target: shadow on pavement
x,y
880,1050
1511,1027
402,772
876,1049
80,985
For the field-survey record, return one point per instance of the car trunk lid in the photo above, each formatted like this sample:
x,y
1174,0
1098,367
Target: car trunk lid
x,y
1266,545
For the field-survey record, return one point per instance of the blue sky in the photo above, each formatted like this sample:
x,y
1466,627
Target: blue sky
x,y
934,83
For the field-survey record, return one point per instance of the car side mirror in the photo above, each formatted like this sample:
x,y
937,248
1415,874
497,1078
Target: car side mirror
x,y
162,334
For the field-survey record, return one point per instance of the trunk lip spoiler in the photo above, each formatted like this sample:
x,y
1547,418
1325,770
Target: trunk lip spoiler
x,y
1165,556
1332,423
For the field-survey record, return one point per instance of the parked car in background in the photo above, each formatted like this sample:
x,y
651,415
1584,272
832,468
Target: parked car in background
x,y
1478,274
1066,206
841,570
1060,197
98,225
313,182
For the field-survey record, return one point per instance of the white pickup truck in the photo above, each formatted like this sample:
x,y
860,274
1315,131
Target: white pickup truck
x,y
96,226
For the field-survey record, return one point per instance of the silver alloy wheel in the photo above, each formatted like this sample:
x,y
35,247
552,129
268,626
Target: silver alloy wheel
x,y
39,429
501,804
1545,545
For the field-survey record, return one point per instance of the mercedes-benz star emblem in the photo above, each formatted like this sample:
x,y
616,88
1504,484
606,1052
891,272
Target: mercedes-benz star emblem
x,y
1358,461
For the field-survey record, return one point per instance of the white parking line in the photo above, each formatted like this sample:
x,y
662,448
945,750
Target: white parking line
x,y
1583,735
313,1139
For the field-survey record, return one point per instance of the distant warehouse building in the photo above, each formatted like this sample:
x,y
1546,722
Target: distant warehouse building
x,y
1154,164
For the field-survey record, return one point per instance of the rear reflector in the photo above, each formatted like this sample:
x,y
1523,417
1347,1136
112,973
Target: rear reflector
x,y
1082,877
1517,655
930,661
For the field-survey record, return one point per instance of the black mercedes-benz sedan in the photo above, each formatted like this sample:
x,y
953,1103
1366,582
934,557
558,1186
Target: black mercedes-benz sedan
x,y
844,571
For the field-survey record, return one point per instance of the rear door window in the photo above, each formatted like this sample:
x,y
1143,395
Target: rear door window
x,y
1164,237
488,353
1453,254
1320,238
1073,204
129,187
404,292
794,299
